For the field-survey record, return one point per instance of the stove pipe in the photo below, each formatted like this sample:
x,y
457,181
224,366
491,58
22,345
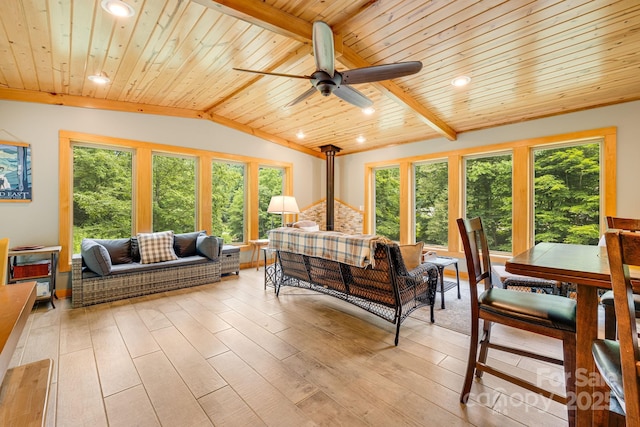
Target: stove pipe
x,y
330,151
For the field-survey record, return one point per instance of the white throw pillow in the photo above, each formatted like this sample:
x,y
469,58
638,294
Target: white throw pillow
x,y
156,247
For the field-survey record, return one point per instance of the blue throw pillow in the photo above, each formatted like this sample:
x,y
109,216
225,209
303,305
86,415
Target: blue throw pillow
x,y
208,246
95,257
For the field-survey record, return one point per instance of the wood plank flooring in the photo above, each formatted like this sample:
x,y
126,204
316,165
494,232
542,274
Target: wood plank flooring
x,y
234,354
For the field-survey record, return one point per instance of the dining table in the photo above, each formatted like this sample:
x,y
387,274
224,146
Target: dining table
x,y
587,267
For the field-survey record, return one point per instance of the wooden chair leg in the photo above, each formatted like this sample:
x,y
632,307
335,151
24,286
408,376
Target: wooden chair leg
x,y
569,363
609,322
484,345
471,362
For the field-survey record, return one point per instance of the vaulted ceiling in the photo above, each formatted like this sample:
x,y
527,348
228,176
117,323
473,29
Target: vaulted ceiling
x,y
526,59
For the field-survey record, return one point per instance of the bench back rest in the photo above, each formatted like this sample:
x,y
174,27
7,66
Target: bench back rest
x,y
373,283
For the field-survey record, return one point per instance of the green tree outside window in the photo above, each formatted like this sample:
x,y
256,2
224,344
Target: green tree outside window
x,y
431,183
174,194
270,183
228,201
102,188
387,206
489,196
567,194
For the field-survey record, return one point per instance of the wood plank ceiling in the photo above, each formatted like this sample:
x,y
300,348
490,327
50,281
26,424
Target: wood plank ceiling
x,y
526,58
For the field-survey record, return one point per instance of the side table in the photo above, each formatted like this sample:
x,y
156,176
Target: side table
x,y
50,252
256,245
441,263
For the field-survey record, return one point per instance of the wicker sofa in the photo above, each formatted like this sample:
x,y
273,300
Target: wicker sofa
x,y
342,266
111,269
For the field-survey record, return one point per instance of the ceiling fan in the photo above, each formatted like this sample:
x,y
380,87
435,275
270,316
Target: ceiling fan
x,y
327,80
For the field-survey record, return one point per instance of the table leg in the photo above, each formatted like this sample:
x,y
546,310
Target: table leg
x,y
458,279
586,372
441,272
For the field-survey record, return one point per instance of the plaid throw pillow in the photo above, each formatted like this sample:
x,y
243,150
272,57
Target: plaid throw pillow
x,y
156,247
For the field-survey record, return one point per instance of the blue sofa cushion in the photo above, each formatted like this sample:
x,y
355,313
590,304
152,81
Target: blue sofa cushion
x,y
95,257
208,246
184,244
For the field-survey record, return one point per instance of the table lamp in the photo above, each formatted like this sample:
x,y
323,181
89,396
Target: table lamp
x,y
283,205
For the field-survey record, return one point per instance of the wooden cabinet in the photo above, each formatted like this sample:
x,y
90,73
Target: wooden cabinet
x,y
24,388
35,263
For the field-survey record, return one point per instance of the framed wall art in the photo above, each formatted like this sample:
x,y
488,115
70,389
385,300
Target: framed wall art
x,y
15,172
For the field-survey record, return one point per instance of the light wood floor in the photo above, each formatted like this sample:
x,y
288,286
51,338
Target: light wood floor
x,y
234,354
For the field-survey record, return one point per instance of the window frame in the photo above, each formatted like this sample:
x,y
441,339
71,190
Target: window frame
x,y
522,209
142,184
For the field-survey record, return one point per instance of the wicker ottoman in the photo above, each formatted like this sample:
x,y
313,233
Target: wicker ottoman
x,y
230,260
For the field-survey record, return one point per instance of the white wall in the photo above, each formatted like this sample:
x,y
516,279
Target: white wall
x,y
37,124
626,117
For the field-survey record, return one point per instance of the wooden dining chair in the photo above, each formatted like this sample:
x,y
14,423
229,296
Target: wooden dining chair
x,y
619,361
4,260
550,315
606,299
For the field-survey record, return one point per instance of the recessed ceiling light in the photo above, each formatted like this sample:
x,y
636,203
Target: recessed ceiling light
x,y
461,81
361,139
368,111
300,134
117,8
100,78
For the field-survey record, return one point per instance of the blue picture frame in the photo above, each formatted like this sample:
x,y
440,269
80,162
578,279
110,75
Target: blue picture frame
x,y
15,172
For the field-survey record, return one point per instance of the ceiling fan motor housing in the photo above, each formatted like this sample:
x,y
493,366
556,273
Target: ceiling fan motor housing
x,y
326,88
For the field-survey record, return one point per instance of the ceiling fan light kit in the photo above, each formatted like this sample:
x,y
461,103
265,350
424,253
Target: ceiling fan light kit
x,y
327,80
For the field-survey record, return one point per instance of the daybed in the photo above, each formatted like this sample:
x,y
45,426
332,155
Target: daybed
x,y
364,270
113,269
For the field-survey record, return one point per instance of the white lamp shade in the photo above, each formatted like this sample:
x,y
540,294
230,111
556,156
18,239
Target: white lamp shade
x,y
283,205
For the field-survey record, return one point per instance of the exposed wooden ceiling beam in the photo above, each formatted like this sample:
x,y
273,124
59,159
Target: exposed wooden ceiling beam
x,y
273,19
132,107
89,102
263,135
263,15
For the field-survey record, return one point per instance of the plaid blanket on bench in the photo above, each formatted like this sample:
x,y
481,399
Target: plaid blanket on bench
x,y
355,250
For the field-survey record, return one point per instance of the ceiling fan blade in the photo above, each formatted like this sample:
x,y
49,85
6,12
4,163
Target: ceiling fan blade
x,y
323,47
376,73
302,97
352,96
293,76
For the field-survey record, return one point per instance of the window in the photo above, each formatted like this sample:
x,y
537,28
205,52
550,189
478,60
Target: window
x,y
174,194
270,183
567,194
488,195
228,201
431,201
102,203
387,202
